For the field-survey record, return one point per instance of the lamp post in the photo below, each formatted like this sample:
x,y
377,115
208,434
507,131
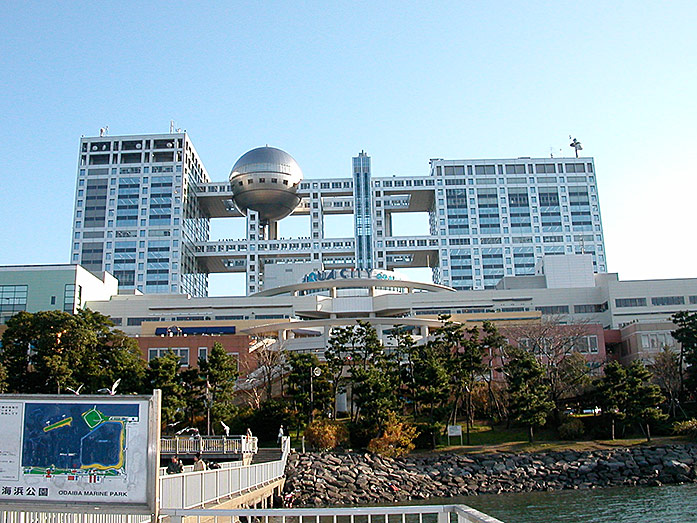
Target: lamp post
x,y
209,400
314,372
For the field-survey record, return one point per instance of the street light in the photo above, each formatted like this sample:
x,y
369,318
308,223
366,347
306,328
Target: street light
x,y
314,372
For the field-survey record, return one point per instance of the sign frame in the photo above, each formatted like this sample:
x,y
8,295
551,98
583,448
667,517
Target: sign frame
x,y
151,504
454,431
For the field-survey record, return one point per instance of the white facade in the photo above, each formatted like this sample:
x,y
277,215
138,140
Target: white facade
x,y
608,302
136,214
564,272
488,219
143,205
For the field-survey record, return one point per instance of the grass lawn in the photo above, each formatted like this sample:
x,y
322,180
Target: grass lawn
x,y
501,439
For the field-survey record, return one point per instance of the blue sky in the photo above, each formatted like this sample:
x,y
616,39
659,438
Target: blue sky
x,y
406,81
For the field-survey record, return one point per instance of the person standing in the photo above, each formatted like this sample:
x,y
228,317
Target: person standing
x,y
280,435
199,465
175,466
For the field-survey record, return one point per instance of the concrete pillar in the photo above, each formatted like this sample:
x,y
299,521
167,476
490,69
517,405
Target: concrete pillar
x,y
273,230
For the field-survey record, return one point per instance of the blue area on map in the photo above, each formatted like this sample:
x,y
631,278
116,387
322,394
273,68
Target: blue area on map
x,y
102,445
62,447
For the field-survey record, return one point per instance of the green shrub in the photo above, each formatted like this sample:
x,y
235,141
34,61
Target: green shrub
x,y
324,434
571,429
429,436
396,440
686,428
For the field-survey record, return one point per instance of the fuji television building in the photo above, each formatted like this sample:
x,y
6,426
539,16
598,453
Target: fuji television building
x,y
144,203
509,240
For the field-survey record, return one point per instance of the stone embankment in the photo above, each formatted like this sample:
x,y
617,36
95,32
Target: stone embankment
x,y
319,479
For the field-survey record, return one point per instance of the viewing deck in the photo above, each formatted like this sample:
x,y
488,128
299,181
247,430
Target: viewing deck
x,y
210,447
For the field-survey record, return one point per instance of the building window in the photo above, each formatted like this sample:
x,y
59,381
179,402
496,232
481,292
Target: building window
x,y
13,299
553,310
630,302
182,352
72,297
668,300
203,353
587,344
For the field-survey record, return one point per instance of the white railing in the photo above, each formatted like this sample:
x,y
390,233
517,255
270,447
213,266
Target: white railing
x,y
232,445
222,465
195,489
411,514
65,517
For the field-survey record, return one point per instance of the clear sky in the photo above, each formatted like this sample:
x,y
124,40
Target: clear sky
x,y
405,81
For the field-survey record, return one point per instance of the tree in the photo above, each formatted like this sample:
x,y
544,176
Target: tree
x,y
113,355
163,374
269,367
49,351
627,393
612,393
308,390
194,395
3,379
219,372
374,374
465,366
556,348
429,379
643,398
666,374
686,335
494,346
527,391
335,356
42,351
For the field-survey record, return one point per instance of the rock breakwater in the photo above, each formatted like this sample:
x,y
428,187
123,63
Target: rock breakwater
x,y
321,479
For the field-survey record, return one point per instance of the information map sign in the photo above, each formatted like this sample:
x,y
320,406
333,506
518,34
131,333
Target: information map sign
x,y
83,451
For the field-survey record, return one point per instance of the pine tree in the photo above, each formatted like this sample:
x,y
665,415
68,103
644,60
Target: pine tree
x,y
527,390
219,374
163,374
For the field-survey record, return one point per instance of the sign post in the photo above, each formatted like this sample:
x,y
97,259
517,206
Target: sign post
x,y
454,430
80,453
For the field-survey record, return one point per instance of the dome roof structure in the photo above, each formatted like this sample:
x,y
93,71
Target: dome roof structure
x,y
266,180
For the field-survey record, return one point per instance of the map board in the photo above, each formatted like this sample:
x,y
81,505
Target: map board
x,y
86,451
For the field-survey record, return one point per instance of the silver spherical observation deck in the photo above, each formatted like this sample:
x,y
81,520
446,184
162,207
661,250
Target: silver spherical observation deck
x,y
266,180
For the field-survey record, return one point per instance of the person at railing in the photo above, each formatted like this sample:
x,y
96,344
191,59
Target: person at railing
x,y
199,464
175,466
280,435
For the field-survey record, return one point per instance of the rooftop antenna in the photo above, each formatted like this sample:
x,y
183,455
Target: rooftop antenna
x,y
576,145
171,127
551,152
